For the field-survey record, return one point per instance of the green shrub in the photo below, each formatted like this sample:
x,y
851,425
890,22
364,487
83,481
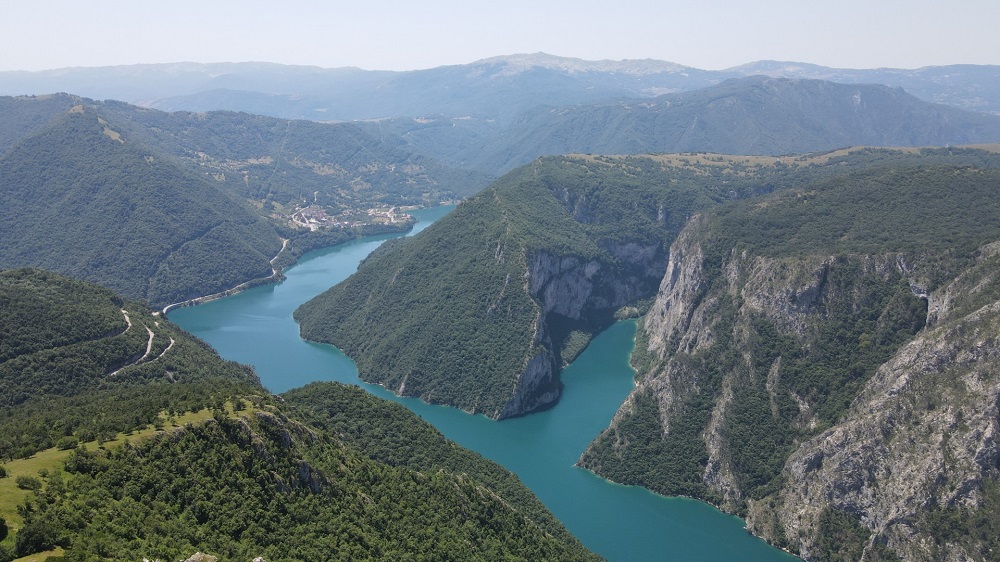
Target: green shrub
x,y
28,483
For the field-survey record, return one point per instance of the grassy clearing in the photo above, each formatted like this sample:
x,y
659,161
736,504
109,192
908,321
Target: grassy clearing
x,y
41,556
51,460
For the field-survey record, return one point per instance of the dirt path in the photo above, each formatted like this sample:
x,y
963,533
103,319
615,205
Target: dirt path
x,y
275,276
149,350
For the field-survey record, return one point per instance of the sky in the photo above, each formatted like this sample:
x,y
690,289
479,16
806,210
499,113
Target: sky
x,y
417,34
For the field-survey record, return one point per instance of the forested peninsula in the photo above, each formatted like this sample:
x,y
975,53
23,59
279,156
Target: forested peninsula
x,y
817,343
123,437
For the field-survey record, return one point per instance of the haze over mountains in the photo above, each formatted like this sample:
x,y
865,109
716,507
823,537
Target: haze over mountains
x,y
496,87
492,115
785,296
487,118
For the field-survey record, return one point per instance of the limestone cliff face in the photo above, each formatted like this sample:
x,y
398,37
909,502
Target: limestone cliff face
x,y
584,292
923,434
538,384
921,431
571,287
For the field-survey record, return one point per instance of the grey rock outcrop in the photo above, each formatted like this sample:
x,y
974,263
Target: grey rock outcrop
x,y
580,290
922,433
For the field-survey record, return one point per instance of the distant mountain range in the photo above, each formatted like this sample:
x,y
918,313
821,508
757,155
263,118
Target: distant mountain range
x,y
57,170
754,116
166,207
496,88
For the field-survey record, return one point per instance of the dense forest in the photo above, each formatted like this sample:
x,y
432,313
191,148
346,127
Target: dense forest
x,y
78,360
265,159
532,266
316,475
791,283
164,207
447,316
80,200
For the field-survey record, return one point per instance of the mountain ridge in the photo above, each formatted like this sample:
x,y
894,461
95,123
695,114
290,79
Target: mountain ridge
x,y
791,290
972,87
235,182
111,443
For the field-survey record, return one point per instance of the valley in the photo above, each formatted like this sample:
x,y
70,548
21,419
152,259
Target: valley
x,y
526,308
210,461
256,328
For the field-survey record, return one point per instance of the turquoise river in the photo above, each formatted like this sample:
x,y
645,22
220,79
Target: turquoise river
x,y
622,523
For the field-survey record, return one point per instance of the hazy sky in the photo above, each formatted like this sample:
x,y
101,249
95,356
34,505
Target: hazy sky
x,y
403,35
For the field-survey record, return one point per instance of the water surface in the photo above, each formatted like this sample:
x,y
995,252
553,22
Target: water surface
x,y
622,523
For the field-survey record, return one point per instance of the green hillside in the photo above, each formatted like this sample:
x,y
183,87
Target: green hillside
x,y
482,309
83,200
284,162
266,159
818,354
519,277
78,360
166,207
418,314
320,474
753,115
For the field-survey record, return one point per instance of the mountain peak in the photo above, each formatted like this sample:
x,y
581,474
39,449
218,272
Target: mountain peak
x,y
519,63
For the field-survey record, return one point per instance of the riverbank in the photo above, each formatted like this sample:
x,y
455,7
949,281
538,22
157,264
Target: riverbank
x,y
622,523
275,276
292,249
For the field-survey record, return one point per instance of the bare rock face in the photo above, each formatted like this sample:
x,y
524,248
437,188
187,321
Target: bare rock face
x,y
538,384
922,432
673,311
578,290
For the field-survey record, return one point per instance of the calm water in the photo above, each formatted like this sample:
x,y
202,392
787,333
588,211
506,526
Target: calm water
x,y
622,523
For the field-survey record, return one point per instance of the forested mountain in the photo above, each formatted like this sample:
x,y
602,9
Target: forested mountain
x,y
824,361
819,357
318,475
757,115
267,160
484,307
78,360
495,114
167,207
972,87
479,311
82,200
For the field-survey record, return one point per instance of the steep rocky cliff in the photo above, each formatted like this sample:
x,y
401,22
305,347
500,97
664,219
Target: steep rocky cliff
x,y
575,297
484,308
736,368
919,445
838,388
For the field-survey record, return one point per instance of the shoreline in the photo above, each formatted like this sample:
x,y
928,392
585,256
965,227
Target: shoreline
x,y
276,276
